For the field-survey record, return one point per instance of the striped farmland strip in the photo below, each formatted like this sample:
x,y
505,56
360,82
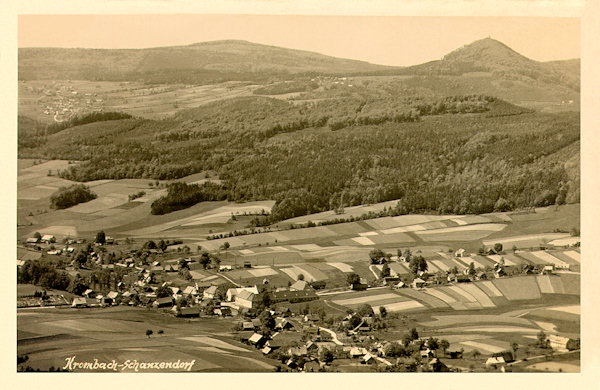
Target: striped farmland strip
x,y
342,267
440,264
399,268
467,297
489,288
471,259
498,258
561,256
557,285
571,283
403,306
574,255
532,258
481,297
519,288
369,299
515,259
543,282
431,267
260,272
545,256
482,260
427,299
440,295
312,272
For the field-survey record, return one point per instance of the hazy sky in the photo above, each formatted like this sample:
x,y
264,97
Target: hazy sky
x,y
393,40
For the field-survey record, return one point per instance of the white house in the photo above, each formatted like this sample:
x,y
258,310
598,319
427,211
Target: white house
x,y
234,292
210,292
245,299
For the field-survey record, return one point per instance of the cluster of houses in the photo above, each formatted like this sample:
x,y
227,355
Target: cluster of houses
x,y
63,101
232,301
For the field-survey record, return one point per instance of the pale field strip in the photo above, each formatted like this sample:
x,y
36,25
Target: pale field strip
x,y
565,241
497,258
399,268
515,239
481,297
555,367
445,255
101,203
494,227
546,326
459,221
485,347
404,229
366,234
313,272
209,341
469,260
212,277
548,258
497,329
440,264
431,267
379,267
468,296
307,247
278,249
363,241
401,306
544,284
367,299
70,231
260,272
342,267
572,309
246,252
440,295
573,255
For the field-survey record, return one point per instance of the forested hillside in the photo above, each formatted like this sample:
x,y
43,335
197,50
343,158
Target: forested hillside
x,y
458,154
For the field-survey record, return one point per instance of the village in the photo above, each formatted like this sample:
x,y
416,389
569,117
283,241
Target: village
x,y
303,325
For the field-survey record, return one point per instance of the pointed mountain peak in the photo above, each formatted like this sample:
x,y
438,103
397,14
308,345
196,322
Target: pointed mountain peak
x,y
490,54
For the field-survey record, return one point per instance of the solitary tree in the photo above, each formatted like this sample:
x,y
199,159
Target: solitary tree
x,y
497,247
353,278
444,345
515,347
149,333
100,237
300,276
382,311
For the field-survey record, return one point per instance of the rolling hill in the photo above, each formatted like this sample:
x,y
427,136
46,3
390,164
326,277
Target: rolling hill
x,y
200,62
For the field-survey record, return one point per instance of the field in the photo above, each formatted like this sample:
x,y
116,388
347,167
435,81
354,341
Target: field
x,y
45,100
50,336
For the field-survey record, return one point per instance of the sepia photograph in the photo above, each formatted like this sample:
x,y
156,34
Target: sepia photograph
x,y
260,193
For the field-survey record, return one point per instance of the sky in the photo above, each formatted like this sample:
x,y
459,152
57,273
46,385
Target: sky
x,y
386,40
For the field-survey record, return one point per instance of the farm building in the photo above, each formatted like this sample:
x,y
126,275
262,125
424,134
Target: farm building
x,y
294,296
257,340
418,283
460,253
190,290
189,312
360,286
233,292
163,302
79,302
32,240
210,292
245,299
48,238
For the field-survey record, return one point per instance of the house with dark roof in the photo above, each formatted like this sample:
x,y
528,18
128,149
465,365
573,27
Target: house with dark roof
x,y
294,296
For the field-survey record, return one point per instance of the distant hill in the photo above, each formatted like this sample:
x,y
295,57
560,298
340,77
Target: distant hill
x,y
490,55
208,61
